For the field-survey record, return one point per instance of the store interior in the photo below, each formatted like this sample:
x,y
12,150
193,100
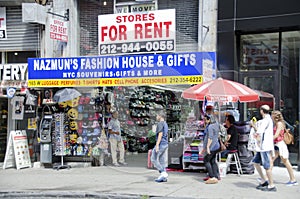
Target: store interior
x,y
86,116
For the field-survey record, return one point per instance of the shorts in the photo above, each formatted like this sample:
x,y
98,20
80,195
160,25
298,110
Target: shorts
x,y
263,158
282,149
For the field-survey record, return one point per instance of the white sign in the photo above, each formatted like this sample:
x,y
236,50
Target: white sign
x,y
17,140
13,72
145,32
135,8
3,34
58,30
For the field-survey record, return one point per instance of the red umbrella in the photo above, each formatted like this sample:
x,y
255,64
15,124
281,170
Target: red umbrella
x,y
221,90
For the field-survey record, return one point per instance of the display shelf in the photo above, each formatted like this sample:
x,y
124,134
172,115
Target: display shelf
x,y
192,145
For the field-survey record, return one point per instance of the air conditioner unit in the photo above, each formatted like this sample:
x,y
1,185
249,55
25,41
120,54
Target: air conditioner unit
x,y
34,13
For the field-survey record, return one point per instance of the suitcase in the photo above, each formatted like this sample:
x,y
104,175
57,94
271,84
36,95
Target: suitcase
x,y
149,164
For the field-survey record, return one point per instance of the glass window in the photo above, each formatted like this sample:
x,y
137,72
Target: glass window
x,y
20,57
290,74
259,51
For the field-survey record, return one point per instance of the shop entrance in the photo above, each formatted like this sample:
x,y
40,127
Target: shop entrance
x,y
3,127
266,81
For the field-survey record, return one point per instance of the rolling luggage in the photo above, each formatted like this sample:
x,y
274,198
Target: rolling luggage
x,y
149,164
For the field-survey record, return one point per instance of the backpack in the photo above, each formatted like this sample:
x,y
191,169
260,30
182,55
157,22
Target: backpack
x,y
222,133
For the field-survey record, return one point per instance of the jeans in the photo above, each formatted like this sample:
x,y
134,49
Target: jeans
x,y
224,153
159,158
211,164
263,158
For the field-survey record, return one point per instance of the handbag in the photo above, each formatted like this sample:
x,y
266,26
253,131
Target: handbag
x,y
288,137
252,142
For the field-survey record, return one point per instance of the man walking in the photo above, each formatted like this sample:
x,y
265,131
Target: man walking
x,y
158,157
264,137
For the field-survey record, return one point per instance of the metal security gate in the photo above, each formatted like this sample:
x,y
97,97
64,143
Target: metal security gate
x,y
20,36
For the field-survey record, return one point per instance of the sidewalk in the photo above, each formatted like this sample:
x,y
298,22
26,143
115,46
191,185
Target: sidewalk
x,y
134,182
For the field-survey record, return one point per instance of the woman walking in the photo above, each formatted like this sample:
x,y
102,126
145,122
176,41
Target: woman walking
x,y
210,149
280,146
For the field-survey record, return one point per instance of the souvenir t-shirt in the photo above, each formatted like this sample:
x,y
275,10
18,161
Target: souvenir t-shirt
x,y
17,103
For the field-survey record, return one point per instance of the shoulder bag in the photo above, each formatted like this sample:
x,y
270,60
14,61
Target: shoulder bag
x,y
288,137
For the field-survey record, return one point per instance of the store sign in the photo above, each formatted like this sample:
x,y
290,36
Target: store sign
x,y
3,23
175,68
58,30
13,75
135,8
129,33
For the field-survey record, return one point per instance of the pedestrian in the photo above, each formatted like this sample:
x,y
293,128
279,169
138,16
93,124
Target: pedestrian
x,y
264,136
232,136
159,152
280,146
115,140
210,149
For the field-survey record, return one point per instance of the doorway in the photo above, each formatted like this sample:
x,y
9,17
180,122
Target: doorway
x,y
263,80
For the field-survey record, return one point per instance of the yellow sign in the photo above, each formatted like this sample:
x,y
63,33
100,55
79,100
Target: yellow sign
x,y
116,81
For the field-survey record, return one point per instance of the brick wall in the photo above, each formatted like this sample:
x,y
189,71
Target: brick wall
x,y
89,11
186,23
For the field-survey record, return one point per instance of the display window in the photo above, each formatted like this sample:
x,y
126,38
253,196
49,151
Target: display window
x,y
77,124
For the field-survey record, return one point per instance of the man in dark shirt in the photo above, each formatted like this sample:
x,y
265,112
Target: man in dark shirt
x,y
232,136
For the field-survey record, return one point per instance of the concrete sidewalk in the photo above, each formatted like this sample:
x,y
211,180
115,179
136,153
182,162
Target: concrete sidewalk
x,y
134,182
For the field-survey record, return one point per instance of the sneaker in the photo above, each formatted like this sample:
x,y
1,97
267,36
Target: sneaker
x,y
164,174
291,183
123,163
161,179
267,188
262,186
211,181
206,178
116,165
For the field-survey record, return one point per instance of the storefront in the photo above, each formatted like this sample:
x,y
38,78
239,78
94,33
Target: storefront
x,y
18,42
87,114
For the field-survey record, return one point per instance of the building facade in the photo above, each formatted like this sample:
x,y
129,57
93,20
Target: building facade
x,y
255,45
258,45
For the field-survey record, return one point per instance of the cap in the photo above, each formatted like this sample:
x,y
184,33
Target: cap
x,y
265,107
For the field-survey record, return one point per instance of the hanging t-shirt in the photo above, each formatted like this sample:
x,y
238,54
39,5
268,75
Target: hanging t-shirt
x,y
17,103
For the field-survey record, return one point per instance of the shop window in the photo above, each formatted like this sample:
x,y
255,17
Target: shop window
x,y
290,70
259,51
20,56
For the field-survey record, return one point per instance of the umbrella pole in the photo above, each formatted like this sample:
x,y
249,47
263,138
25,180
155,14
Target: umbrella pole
x,y
219,113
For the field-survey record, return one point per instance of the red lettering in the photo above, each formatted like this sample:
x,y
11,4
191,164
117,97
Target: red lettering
x,y
151,16
1,19
167,24
119,19
152,30
114,33
131,18
148,30
157,30
122,30
103,33
138,30
136,17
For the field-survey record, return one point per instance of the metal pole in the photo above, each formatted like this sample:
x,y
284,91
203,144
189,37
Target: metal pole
x,y
298,140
